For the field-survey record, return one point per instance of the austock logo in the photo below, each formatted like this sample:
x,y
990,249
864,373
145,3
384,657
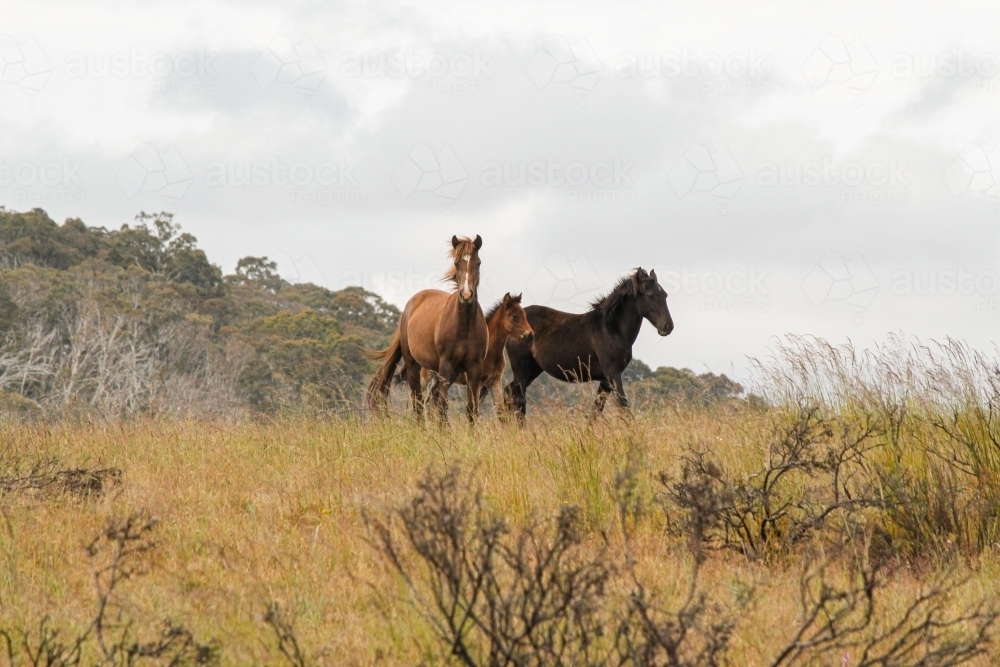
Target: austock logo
x,y
426,170
151,170
182,74
325,182
976,171
837,62
982,286
946,282
872,182
299,268
702,170
393,284
43,183
598,182
981,67
834,279
457,74
24,64
730,74
731,291
559,61
562,282
291,62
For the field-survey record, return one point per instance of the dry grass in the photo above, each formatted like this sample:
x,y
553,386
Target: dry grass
x,y
255,513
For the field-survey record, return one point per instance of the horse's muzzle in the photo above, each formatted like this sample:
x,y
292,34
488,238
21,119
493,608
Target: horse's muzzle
x,y
665,331
466,298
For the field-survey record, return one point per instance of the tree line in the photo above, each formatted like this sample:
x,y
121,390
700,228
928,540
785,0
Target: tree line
x,y
137,320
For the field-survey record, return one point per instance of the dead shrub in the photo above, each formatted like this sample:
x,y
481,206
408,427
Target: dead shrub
x,y
111,637
494,595
48,477
537,596
815,471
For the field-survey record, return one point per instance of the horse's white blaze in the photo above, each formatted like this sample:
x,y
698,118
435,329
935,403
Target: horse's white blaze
x,y
466,292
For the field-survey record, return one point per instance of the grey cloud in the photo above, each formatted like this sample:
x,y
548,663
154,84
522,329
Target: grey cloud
x,y
496,124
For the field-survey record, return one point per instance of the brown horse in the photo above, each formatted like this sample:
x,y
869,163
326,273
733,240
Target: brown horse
x,y
442,332
506,319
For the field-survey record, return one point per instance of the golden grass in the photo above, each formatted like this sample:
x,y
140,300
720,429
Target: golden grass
x,y
257,512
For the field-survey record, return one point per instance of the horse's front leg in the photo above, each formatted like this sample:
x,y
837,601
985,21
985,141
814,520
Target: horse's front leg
x,y
474,383
603,390
619,387
515,401
496,391
446,378
441,388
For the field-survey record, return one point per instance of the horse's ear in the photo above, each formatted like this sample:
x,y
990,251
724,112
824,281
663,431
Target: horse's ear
x,y
478,243
454,241
506,299
516,299
641,272
647,281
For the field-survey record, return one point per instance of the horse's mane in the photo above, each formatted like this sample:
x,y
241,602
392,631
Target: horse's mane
x,y
495,308
466,246
610,302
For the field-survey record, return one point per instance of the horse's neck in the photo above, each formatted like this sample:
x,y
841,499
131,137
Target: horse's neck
x,y
467,314
498,337
630,320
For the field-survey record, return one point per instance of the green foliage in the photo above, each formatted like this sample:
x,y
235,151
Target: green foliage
x,y
137,320
257,271
682,384
8,307
302,360
33,238
167,252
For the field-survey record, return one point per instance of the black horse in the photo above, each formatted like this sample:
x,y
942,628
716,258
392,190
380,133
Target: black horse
x,y
593,346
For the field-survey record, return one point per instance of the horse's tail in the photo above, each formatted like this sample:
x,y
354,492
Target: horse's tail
x,y
377,395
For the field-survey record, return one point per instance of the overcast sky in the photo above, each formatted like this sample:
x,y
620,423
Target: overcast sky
x,y
783,167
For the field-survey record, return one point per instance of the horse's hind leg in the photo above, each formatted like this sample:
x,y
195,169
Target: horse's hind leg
x,y
416,390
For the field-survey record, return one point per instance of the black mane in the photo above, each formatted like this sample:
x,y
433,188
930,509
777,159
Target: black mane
x,y
610,302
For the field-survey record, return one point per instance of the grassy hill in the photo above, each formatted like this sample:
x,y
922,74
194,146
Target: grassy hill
x,y
849,518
